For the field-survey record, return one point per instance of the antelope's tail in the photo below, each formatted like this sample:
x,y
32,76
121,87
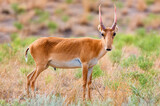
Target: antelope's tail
x,y
26,56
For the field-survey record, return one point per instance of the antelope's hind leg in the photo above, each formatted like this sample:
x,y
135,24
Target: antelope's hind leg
x,y
28,81
40,68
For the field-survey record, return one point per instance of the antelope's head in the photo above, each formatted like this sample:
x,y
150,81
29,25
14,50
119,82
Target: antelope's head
x,y
108,33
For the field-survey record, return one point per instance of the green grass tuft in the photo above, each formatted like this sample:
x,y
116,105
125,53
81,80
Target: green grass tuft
x,y
145,63
25,71
52,26
18,25
17,9
48,79
97,72
115,56
65,18
130,61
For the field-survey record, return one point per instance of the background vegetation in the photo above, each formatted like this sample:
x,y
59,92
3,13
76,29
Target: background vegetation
x,y
128,75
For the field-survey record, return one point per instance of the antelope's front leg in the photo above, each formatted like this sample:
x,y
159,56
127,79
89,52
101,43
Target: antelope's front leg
x,y
85,72
89,82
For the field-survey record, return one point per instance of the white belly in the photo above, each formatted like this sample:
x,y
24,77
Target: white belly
x,y
75,63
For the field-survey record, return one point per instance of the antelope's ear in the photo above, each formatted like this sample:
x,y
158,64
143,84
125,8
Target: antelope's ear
x,y
100,28
116,29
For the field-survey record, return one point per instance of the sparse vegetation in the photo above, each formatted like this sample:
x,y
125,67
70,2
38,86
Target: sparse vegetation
x,y
65,18
18,25
17,9
97,72
129,75
115,56
52,26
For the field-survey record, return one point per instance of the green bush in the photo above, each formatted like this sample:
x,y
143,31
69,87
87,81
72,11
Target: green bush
x,y
3,103
18,42
58,11
78,73
42,16
69,1
48,79
115,56
17,9
52,26
97,72
65,18
130,61
30,60
145,63
24,71
6,52
113,84
141,32
123,40
149,43
14,36
18,25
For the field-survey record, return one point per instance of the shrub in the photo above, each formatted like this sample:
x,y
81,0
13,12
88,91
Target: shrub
x,y
119,4
50,100
130,61
48,79
3,103
58,11
144,63
115,56
149,43
90,17
42,16
65,18
52,26
30,59
14,36
17,9
97,72
141,32
69,1
78,73
24,71
18,25
113,84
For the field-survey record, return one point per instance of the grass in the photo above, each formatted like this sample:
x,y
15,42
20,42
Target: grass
x,y
145,63
69,1
17,9
97,72
115,56
130,61
52,26
134,80
42,16
48,79
65,18
24,71
18,25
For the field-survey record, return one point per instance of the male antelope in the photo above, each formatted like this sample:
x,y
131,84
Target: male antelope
x,y
71,53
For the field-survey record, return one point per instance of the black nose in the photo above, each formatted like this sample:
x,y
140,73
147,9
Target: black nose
x,y
108,49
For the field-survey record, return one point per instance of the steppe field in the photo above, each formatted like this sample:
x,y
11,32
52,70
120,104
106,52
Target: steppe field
x,y
129,75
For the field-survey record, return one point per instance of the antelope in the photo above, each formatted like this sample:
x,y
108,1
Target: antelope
x,y
71,53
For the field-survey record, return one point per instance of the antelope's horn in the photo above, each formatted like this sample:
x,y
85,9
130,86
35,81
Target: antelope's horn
x,y
115,19
100,18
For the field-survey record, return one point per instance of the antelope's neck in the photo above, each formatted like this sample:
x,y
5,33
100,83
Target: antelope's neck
x,y
102,49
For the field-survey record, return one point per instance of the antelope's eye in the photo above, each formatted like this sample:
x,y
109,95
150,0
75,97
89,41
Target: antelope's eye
x,y
102,34
114,34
